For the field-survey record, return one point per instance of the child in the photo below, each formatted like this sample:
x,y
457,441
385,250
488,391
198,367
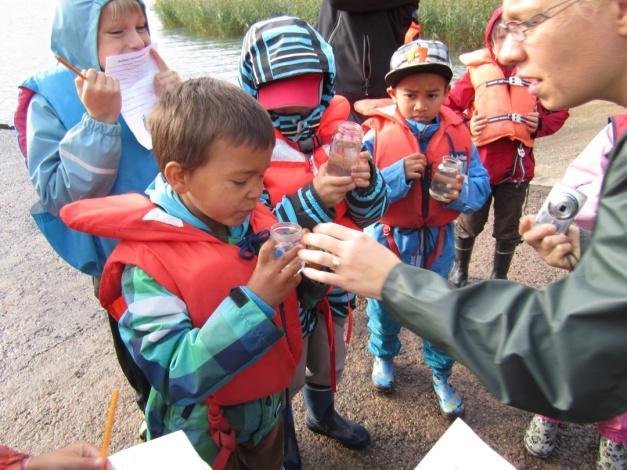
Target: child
x,y
504,121
76,143
586,174
408,136
214,326
290,69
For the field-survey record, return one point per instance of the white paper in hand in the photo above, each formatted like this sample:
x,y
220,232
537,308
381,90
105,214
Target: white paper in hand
x,y
164,453
460,448
136,72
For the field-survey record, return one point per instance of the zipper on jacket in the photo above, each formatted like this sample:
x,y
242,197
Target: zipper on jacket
x,y
426,183
367,67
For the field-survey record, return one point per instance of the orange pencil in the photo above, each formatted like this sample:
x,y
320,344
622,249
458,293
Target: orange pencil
x,y
70,66
106,439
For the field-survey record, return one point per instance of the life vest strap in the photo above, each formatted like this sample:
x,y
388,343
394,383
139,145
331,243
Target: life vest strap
x,y
221,432
514,117
513,81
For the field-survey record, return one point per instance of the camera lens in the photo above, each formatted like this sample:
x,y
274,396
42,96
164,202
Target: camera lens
x,y
563,206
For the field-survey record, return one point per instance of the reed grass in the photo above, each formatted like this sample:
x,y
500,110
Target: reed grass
x,y
459,23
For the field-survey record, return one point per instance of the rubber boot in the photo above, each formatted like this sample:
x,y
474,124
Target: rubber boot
x,y
383,374
322,418
450,402
503,254
291,454
458,277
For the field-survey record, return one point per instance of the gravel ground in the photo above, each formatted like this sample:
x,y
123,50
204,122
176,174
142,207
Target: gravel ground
x,y
58,365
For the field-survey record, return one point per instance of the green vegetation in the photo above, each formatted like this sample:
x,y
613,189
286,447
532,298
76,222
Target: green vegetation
x,y
459,23
229,18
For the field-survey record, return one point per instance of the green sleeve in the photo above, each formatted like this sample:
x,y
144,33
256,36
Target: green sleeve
x,y
561,350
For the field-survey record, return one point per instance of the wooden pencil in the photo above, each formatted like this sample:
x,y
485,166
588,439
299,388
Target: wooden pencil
x,y
70,66
106,439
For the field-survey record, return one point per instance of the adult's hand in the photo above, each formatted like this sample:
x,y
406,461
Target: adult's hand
x,y
556,249
359,264
75,457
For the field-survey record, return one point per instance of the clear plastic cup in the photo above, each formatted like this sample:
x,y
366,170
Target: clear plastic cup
x,y
287,235
345,148
446,173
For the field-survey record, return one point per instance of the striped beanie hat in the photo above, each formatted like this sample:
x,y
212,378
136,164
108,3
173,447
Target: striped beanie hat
x,y
284,47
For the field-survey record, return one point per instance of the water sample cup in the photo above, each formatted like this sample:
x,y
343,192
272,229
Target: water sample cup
x,y
446,173
345,148
287,235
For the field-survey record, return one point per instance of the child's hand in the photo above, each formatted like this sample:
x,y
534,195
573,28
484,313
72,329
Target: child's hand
x,y
455,187
331,189
166,78
360,171
273,279
100,95
477,124
414,165
533,120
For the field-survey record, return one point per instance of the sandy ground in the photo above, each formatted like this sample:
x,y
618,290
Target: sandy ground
x,y
58,365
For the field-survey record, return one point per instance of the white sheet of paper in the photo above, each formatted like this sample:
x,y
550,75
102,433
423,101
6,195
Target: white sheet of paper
x,y
460,448
164,453
136,72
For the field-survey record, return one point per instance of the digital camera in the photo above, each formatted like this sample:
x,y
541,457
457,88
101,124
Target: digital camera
x,y
561,206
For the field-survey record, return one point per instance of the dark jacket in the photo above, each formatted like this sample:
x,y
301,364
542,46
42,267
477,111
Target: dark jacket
x,y
561,350
364,35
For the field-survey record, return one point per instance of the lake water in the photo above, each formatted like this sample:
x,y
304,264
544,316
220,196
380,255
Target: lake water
x,y
25,40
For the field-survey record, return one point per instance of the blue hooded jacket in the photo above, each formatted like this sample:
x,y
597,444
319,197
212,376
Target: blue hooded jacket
x,y
70,155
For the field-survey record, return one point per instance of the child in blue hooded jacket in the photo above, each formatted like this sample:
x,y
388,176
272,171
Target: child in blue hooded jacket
x,y
73,137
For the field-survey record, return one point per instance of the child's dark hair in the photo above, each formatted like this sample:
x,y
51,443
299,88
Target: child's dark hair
x,y
190,118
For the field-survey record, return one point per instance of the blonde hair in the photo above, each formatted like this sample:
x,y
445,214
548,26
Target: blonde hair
x,y
121,7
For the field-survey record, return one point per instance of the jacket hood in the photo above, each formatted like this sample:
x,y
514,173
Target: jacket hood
x,y
75,31
494,19
285,47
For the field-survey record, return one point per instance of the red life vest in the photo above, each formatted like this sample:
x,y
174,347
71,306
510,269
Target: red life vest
x,y
505,101
290,169
394,140
201,270
619,125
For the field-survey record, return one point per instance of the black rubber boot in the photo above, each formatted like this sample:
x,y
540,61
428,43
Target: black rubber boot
x,y
322,418
503,254
458,277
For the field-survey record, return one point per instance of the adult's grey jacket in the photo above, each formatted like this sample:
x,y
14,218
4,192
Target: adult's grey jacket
x,y
560,350
364,35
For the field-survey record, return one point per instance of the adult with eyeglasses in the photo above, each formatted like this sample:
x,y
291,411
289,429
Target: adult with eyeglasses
x,y
560,350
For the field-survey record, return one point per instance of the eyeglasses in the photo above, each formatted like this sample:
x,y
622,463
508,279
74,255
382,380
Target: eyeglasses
x,y
519,29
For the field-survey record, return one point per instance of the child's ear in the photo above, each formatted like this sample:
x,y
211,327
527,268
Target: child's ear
x,y
176,176
391,93
447,90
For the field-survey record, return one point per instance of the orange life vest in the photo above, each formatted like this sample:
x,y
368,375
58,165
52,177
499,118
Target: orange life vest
x,y
394,140
290,168
505,101
200,269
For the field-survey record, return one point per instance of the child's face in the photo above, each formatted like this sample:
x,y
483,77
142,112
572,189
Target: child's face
x,y
420,96
125,33
225,190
